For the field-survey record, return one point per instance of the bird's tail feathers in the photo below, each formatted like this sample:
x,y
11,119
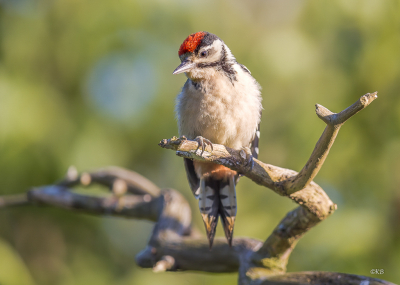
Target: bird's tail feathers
x,y
209,205
228,207
218,198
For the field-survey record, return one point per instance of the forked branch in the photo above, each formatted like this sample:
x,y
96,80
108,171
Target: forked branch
x,y
174,245
315,205
281,180
333,121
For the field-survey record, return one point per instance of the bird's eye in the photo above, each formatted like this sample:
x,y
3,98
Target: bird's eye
x,y
203,53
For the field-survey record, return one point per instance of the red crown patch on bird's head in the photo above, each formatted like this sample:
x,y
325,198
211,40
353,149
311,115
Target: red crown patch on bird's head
x,y
191,43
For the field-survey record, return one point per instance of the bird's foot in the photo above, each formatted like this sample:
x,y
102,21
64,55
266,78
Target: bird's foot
x,y
246,157
203,142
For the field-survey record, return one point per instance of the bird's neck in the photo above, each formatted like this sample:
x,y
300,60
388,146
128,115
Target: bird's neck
x,y
218,71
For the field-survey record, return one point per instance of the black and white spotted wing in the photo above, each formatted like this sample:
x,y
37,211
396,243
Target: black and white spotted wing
x,y
254,144
194,181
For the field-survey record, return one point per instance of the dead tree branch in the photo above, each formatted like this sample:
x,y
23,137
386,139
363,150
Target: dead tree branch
x,y
175,245
135,206
315,205
333,121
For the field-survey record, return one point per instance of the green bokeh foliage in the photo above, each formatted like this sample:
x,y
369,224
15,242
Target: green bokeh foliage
x,y
301,52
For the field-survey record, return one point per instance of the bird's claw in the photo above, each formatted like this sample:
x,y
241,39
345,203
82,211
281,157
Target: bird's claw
x,y
203,142
246,157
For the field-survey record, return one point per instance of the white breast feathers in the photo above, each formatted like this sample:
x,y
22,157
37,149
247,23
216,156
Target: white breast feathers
x,y
223,110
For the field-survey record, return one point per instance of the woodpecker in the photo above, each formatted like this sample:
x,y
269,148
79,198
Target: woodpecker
x,y
219,103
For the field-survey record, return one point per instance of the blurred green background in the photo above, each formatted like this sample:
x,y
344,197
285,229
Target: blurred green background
x,y
89,83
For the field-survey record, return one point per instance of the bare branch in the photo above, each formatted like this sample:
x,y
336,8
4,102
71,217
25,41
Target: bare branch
x,y
267,175
283,181
194,254
334,122
276,250
174,245
317,278
135,206
336,119
174,220
169,208
135,183
315,205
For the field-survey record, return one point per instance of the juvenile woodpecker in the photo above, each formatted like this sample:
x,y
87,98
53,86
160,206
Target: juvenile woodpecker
x,y
219,103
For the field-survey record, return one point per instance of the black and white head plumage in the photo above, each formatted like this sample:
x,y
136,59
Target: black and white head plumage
x,y
203,51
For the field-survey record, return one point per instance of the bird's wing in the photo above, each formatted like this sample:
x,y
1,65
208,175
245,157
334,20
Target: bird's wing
x,y
254,143
245,68
194,181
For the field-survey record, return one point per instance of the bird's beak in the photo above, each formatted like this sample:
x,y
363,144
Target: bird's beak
x,y
185,66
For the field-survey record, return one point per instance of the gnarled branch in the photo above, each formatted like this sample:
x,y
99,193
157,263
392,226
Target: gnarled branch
x,y
333,121
175,245
315,205
135,206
